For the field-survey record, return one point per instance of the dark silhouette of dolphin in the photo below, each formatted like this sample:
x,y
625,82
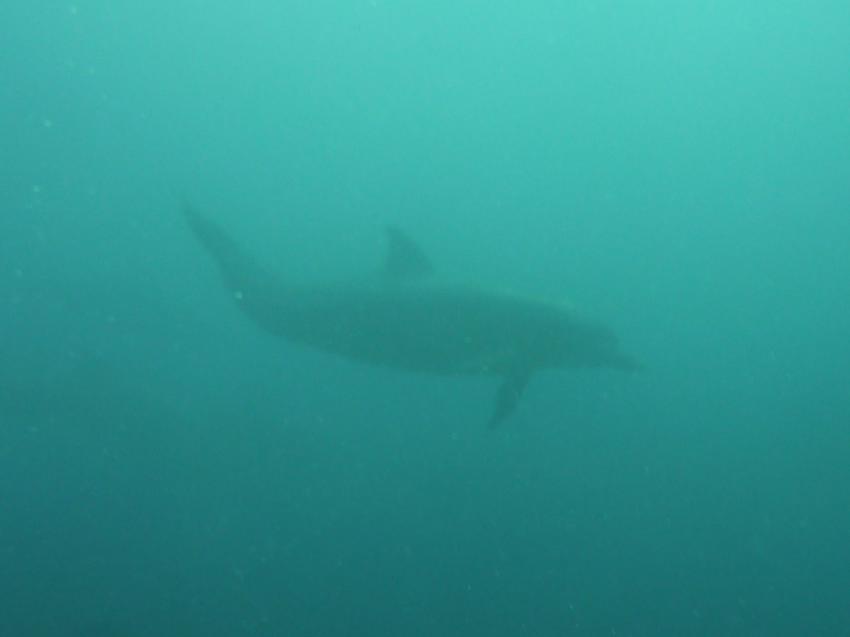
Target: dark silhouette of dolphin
x,y
405,318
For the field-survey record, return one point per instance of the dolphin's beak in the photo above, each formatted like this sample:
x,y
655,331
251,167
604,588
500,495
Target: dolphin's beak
x,y
628,363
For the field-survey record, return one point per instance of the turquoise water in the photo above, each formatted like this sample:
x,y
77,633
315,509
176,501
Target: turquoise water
x,y
679,170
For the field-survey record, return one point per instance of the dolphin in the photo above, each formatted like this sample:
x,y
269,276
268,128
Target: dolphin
x,y
404,317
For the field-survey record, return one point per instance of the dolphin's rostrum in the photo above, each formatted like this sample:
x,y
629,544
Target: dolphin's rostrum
x,y
405,318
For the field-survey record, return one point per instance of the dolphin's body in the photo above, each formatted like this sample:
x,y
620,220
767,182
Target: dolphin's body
x,y
404,318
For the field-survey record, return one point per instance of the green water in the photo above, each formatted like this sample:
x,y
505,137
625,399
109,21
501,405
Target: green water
x,y
679,170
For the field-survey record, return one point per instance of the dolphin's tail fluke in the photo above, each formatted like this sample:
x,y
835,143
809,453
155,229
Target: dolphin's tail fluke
x,y
234,265
243,275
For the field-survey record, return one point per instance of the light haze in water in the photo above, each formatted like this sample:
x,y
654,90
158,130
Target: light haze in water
x,y
679,172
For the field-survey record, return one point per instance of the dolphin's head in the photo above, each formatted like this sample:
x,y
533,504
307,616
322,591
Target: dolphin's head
x,y
580,343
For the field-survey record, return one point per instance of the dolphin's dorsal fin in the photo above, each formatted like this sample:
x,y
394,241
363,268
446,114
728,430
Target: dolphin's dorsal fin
x,y
405,259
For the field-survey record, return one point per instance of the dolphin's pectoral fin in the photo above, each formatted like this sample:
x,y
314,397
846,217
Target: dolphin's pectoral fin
x,y
509,393
405,258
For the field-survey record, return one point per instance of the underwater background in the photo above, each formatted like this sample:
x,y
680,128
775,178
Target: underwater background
x,y
679,170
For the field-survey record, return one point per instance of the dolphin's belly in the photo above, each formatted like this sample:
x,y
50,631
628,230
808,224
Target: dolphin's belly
x,y
434,331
